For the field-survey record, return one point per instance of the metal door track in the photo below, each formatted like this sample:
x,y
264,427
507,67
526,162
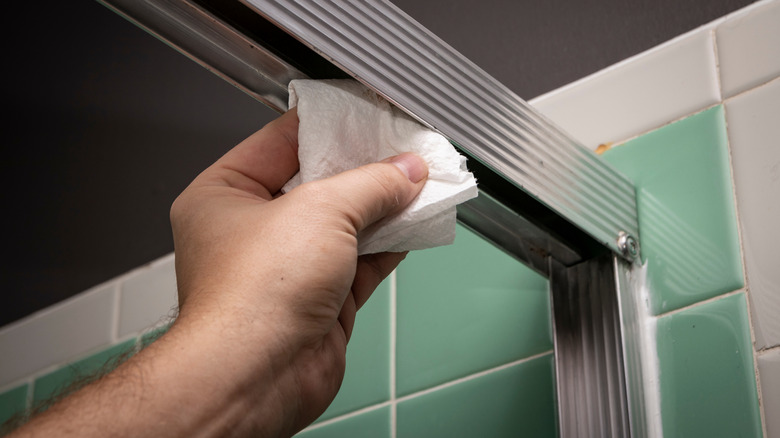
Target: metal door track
x,y
544,198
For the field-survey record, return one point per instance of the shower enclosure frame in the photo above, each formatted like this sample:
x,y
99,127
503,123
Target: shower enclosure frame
x,y
544,199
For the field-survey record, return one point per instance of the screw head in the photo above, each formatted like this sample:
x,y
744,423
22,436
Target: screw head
x,y
628,246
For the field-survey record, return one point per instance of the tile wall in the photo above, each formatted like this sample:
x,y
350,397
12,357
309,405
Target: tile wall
x,y
457,342
695,123
44,353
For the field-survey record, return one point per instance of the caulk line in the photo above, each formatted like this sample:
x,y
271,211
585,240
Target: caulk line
x,y
707,301
393,337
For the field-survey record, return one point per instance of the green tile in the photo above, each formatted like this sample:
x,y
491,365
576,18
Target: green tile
x,y
708,385
518,401
372,424
367,377
53,383
464,308
687,218
12,402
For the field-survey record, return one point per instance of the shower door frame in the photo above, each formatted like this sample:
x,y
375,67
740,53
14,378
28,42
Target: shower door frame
x,y
544,199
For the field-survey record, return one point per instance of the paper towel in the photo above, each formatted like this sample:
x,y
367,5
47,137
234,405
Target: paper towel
x,y
344,125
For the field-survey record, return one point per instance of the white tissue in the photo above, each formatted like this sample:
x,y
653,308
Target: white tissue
x,y
344,125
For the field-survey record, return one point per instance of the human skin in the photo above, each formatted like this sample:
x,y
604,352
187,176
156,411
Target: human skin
x,y
268,289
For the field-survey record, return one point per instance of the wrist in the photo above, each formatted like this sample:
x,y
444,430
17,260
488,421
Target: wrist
x,y
220,375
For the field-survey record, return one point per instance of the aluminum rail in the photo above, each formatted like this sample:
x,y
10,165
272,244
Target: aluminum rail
x,y
381,46
521,159
544,199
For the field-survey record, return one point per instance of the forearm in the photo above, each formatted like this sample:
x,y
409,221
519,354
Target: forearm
x,y
191,382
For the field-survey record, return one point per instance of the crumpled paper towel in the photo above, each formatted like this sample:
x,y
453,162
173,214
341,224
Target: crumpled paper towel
x,y
344,125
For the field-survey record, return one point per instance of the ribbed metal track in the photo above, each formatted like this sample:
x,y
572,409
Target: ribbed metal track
x,y
384,48
588,350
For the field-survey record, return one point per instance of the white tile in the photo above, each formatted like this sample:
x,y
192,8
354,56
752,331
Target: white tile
x,y
57,334
749,47
754,134
637,95
769,373
147,297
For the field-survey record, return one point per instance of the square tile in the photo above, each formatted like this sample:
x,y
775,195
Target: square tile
x,y
50,385
685,202
749,48
57,334
12,402
638,94
465,308
148,297
517,401
769,372
754,132
374,424
707,382
367,377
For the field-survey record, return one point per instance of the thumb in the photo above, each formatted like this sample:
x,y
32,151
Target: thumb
x,y
371,192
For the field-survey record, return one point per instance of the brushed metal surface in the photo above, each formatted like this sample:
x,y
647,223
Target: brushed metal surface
x,y
588,350
388,51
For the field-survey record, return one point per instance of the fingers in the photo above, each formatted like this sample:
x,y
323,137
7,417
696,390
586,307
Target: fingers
x,y
373,191
263,162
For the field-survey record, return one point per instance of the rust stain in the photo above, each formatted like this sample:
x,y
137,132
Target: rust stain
x,y
603,147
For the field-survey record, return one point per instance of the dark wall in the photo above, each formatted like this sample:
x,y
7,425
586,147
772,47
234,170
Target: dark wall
x,y
104,125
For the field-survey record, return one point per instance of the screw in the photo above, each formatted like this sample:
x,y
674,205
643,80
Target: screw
x,y
628,246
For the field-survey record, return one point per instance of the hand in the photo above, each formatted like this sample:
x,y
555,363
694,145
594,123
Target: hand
x,y
268,289
280,274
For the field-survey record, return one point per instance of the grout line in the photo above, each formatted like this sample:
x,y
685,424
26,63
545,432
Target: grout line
x,y
115,312
30,397
751,89
393,335
735,199
740,239
697,304
768,350
473,376
756,374
671,122
348,415
394,401
719,82
15,383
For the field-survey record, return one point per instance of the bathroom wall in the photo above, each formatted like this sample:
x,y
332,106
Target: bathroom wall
x,y
458,341
695,124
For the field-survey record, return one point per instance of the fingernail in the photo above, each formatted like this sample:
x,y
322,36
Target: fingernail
x,y
411,165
